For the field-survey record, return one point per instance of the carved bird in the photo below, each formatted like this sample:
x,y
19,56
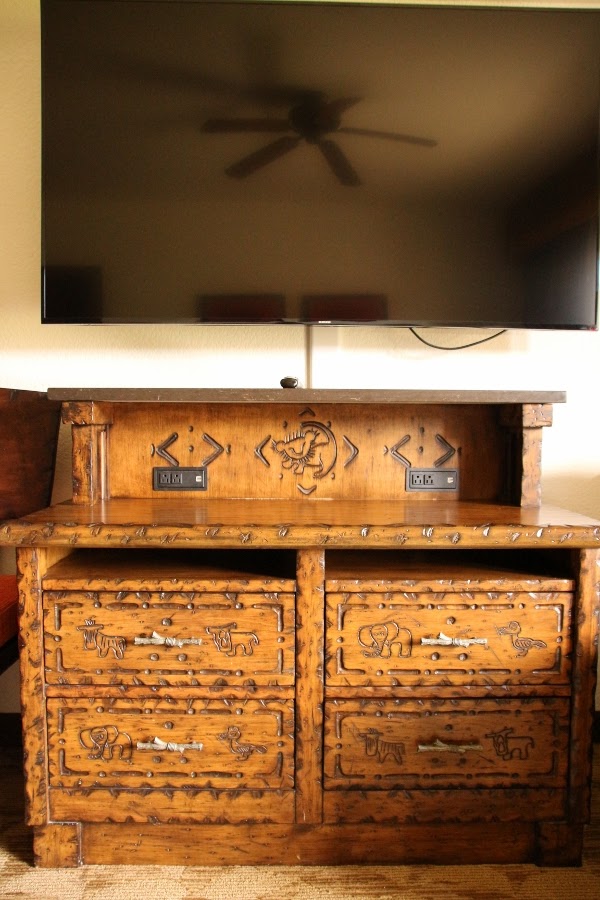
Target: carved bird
x,y
521,644
244,751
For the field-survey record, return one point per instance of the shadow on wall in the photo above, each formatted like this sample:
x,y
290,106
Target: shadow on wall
x,y
580,493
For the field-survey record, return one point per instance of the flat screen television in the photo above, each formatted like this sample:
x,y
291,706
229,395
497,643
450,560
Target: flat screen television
x,y
319,162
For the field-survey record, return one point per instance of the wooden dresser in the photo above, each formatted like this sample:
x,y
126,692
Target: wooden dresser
x,y
307,627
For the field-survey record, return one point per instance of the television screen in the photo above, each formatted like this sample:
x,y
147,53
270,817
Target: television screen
x,y
319,162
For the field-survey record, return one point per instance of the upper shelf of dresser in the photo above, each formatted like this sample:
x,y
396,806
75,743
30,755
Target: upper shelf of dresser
x,y
306,445
303,468
299,395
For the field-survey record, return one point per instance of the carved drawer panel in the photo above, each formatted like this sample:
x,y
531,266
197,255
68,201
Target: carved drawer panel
x,y
120,753
437,744
476,638
169,638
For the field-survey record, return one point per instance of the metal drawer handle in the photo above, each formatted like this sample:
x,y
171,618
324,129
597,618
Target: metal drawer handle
x,y
157,744
442,640
441,746
157,639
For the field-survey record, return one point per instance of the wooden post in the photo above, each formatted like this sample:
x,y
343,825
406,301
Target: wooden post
x,y
309,686
90,422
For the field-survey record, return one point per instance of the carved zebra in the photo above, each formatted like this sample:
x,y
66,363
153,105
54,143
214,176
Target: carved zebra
x,y
375,746
93,639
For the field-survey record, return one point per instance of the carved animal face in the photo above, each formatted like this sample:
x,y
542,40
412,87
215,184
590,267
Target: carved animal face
x,y
90,633
379,634
221,635
233,733
511,628
99,736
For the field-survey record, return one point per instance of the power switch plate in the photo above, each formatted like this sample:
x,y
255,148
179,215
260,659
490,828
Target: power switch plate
x,y
182,478
431,479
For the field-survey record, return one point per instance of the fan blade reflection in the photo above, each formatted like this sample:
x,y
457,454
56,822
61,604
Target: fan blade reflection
x,y
239,126
338,163
390,135
262,157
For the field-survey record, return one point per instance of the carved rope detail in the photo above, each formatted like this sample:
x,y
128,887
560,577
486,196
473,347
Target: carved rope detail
x,y
158,640
442,640
441,746
171,746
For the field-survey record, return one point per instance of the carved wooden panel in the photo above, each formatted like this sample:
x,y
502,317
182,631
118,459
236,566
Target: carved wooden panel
x,y
409,744
102,746
169,638
459,805
454,638
296,451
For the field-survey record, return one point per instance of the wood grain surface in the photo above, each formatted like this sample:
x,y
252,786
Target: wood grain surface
x,y
306,662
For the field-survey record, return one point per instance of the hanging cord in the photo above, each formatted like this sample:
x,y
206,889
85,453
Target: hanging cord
x,y
308,351
484,340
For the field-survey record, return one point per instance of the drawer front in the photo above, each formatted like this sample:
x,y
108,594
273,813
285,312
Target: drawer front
x,y
101,744
480,638
436,744
169,639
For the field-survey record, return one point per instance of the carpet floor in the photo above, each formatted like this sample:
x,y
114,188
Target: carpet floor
x,y
20,881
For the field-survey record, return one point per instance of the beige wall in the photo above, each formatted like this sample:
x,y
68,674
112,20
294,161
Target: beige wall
x,y
36,357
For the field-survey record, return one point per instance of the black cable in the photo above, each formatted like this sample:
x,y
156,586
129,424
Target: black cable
x,y
484,340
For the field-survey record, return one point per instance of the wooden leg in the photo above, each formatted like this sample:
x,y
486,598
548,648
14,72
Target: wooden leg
x,y
559,844
57,846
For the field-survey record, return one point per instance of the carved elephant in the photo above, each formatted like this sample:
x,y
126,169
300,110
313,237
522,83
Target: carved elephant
x,y
384,638
106,742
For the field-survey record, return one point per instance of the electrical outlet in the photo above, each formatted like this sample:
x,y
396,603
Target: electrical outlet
x,y
431,479
182,478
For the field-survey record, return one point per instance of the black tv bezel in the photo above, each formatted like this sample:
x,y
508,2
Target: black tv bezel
x,y
490,323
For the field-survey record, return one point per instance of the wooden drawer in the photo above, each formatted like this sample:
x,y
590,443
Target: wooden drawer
x,y
118,758
484,637
441,744
168,638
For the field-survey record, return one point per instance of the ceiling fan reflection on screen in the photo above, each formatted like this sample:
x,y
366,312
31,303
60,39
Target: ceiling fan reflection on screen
x,y
312,119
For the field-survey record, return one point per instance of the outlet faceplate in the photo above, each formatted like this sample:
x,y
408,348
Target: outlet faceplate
x,y
431,479
182,478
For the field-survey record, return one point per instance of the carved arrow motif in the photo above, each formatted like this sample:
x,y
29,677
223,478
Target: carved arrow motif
x,y
162,451
398,456
258,451
218,449
353,451
306,490
450,450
